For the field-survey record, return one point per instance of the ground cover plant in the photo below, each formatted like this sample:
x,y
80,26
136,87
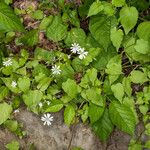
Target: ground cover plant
x,y
90,58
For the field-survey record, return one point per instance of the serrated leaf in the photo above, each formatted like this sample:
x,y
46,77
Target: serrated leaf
x,y
118,91
69,114
24,84
128,18
123,117
103,127
143,30
116,37
71,88
5,111
95,112
55,106
118,3
32,97
100,27
95,8
138,77
30,38
8,20
142,46
57,30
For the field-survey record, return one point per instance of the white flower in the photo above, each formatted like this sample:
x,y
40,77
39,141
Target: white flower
x,y
48,102
16,111
8,62
83,54
40,104
80,50
75,48
47,119
56,70
14,84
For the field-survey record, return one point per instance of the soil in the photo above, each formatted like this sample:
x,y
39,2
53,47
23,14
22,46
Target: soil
x,y
58,136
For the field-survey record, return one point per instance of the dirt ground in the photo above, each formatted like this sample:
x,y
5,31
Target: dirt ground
x,y
58,136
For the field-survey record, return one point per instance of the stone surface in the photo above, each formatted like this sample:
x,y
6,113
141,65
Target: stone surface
x,y
59,136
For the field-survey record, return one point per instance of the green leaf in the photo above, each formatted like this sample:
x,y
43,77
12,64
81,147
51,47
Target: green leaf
x,y
116,37
95,8
5,111
100,27
123,117
127,86
4,92
30,38
142,46
143,30
12,125
38,14
24,84
57,30
118,91
114,66
103,127
13,145
32,97
71,88
95,112
118,3
8,20
128,18
69,114
55,106
138,77
75,35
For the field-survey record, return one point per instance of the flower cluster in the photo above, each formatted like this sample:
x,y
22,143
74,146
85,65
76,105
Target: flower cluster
x,y
77,49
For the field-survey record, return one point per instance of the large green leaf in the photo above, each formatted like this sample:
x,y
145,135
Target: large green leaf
x,y
8,20
128,18
71,88
5,111
123,117
143,30
57,30
118,3
32,98
103,127
95,112
100,27
24,84
69,114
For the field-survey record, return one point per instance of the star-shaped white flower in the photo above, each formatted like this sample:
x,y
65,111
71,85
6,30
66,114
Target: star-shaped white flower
x,y
48,102
83,54
40,104
14,84
56,70
7,63
47,119
75,48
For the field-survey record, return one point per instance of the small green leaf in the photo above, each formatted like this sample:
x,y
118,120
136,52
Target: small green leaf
x,y
95,112
38,14
57,30
118,91
138,77
95,8
4,92
8,20
128,18
55,106
123,117
103,127
71,88
118,3
5,111
116,37
13,145
69,114
24,84
142,46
